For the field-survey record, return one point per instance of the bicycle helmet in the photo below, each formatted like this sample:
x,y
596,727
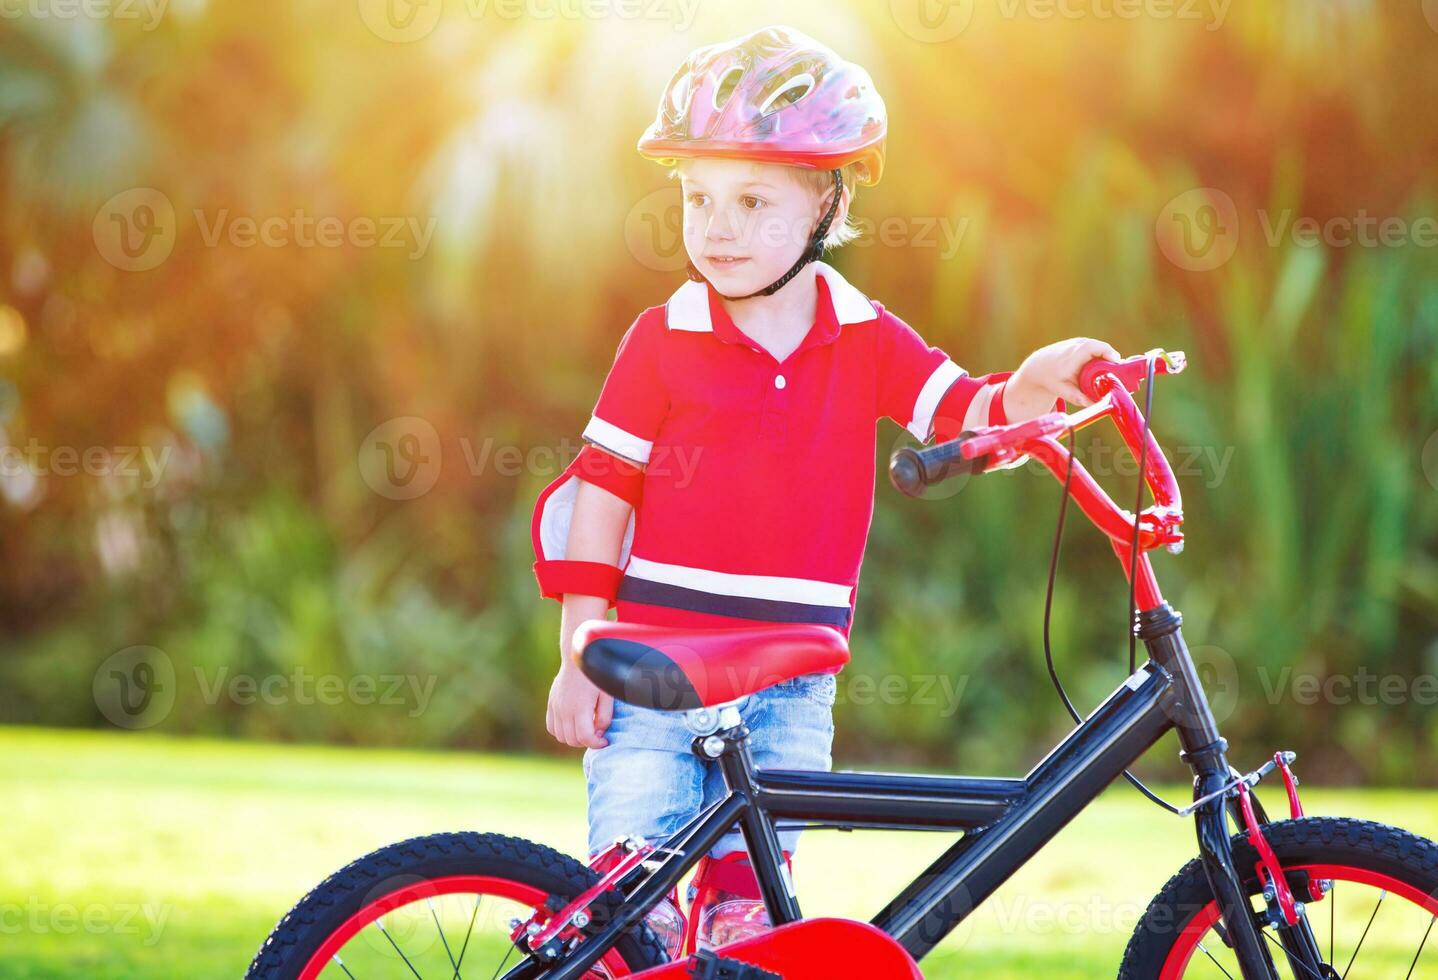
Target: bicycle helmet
x,y
776,96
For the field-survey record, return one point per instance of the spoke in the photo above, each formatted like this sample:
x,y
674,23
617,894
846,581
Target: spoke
x,y
435,916
503,961
467,933
336,958
1215,961
385,932
1381,896
1420,948
1332,902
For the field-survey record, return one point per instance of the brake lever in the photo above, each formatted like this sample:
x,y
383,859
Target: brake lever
x,y
1131,371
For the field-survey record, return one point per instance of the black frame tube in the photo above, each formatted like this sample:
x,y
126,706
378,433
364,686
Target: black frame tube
x,y
1119,731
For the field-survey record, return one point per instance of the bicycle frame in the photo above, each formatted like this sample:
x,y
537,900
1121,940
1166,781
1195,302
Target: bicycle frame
x,y
1005,821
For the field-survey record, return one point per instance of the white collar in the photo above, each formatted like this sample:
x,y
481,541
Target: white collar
x,y
688,308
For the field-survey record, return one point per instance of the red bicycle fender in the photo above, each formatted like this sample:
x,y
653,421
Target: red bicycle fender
x,y
815,949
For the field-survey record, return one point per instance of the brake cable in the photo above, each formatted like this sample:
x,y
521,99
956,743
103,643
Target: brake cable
x,y
1133,568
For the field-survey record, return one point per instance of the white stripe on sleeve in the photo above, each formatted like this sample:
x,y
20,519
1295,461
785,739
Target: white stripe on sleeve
x,y
617,441
929,397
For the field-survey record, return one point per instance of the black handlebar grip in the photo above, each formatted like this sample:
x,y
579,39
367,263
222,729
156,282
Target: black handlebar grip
x,y
911,470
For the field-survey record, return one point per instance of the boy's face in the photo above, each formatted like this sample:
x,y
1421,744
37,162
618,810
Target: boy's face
x,y
756,214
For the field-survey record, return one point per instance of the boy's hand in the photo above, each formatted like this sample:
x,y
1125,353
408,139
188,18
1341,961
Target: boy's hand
x,y
578,711
1052,372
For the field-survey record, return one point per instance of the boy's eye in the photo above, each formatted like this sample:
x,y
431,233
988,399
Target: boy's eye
x,y
695,199
751,202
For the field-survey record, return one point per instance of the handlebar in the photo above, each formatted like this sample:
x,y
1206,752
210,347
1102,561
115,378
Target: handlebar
x,y
911,469
1109,384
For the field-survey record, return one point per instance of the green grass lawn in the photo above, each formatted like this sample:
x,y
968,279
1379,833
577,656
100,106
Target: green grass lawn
x,y
136,855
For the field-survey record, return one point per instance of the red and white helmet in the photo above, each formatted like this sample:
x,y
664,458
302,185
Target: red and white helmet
x,y
776,96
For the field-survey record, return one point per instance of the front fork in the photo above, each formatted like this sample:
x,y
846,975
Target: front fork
x,y
1206,752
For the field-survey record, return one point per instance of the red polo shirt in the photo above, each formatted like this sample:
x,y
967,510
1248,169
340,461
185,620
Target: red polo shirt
x,y
753,478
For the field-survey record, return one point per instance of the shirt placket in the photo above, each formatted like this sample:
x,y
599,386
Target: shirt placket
x,y
774,414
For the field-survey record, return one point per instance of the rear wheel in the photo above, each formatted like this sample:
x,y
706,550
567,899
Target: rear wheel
x,y
1376,921
437,906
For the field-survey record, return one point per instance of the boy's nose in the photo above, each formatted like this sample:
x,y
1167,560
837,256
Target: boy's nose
x,y
723,227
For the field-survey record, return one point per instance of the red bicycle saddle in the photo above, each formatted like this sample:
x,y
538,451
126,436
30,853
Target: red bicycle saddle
x,y
678,669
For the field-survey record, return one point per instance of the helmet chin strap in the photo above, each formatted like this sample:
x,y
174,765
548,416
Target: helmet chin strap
x,y
812,252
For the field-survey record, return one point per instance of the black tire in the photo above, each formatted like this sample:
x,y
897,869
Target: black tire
x,y
1308,840
320,913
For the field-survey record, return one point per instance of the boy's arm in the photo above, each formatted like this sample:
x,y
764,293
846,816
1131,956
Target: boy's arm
x,y
922,389
596,534
584,519
578,713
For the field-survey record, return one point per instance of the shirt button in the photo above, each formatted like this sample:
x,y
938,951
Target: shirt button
x,y
779,381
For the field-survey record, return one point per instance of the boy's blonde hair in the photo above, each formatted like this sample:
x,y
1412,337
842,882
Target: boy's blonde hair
x,y
818,182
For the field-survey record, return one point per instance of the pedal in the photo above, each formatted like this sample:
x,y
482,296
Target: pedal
x,y
707,966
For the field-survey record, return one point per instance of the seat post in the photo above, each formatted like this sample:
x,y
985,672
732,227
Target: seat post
x,y
728,744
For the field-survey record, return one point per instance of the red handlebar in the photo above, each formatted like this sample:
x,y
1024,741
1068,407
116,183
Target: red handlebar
x,y
1109,385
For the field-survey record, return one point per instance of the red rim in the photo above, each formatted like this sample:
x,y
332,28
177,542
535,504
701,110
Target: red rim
x,y
1188,939
433,888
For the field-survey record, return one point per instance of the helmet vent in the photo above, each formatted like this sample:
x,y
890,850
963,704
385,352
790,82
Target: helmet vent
x,y
728,82
679,94
792,91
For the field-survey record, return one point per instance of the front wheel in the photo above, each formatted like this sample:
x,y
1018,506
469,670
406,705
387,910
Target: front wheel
x,y
1380,909
437,906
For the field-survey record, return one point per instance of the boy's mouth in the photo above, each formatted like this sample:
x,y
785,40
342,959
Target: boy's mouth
x,y
726,261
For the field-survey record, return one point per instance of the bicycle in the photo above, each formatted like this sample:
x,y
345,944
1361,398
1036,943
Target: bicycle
x,y
558,919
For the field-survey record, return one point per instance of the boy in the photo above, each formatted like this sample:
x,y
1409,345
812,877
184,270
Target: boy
x,y
728,473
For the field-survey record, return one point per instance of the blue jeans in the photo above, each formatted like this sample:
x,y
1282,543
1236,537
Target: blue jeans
x,y
647,782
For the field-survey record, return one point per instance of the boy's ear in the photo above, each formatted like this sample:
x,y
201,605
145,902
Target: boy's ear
x,y
843,209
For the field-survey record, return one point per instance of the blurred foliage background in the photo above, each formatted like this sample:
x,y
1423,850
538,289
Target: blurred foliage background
x,y
201,387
